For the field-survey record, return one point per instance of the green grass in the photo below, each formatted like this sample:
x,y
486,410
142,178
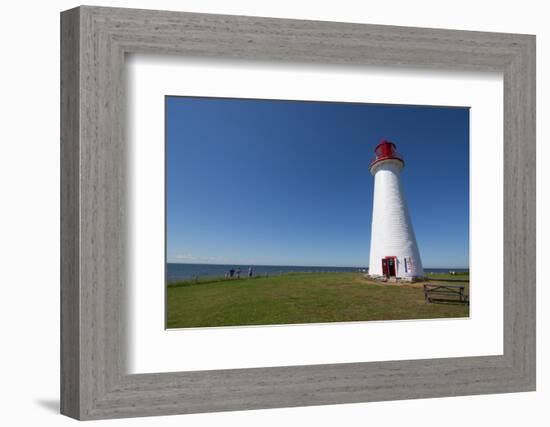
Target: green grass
x,y
458,277
302,298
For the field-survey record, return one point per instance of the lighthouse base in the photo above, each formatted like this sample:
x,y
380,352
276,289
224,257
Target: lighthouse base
x,y
393,279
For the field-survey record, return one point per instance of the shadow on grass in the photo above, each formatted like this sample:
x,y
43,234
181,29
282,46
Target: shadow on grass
x,y
435,279
448,301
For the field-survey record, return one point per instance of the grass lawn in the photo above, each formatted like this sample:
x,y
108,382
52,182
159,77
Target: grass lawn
x,y
303,298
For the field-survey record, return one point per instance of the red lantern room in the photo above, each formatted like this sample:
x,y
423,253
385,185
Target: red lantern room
x,y
386,150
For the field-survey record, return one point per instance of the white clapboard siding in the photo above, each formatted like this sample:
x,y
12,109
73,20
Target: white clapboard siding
x,y
392,232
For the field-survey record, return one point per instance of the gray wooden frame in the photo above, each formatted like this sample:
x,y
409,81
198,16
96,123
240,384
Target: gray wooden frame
x,y
94,382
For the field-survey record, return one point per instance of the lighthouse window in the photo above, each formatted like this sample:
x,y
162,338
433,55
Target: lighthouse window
x,y
405,259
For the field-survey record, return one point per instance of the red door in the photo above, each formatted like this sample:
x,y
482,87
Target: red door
x,y
388,266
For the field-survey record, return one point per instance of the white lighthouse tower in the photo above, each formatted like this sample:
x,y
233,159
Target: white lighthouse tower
x,y
393,248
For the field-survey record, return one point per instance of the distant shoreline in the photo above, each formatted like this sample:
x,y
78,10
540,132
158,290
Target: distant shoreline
x,y
185,271
304,266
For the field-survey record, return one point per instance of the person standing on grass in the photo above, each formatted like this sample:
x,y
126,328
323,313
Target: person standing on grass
x,y
231,273
238,272
250,272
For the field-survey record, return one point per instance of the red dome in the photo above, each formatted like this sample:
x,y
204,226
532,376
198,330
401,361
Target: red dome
x,y
386,150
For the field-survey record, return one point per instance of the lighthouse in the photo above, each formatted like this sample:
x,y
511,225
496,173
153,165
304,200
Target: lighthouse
x,y
393,249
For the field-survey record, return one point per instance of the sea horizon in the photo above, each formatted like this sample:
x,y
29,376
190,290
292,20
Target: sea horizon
x,y
300,265
183,270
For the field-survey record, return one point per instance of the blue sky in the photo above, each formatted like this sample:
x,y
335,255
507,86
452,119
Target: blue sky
x,y
288,182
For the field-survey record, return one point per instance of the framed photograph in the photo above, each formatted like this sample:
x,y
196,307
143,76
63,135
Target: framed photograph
x,y
268,219
262,213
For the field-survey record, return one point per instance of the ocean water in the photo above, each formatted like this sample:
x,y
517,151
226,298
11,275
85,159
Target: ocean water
x,y
177,272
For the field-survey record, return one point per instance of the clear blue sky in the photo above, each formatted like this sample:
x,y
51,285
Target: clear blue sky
x,y
288,182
